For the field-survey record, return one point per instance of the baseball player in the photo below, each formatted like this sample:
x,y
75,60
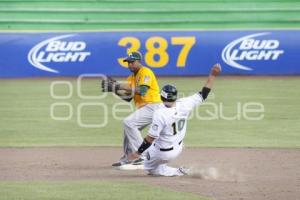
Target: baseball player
x,y
143,88
168,128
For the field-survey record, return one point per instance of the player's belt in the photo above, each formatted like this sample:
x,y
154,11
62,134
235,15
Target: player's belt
x,y
169,149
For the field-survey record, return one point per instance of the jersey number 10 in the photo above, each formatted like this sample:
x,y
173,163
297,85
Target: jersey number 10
x,y
178,126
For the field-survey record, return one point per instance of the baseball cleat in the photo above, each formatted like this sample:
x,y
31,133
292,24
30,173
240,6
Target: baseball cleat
x,y
184,171
139,161
120,163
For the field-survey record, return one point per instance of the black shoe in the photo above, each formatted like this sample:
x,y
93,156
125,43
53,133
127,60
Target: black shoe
x,y
184,171
117,164
139,161
120,163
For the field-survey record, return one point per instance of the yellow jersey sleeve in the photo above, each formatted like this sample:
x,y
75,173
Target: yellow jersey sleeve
x,y
146,77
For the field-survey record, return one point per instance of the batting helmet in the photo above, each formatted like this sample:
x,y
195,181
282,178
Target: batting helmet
x,y
168,93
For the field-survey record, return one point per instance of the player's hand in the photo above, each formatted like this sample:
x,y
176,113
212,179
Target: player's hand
x,y
216,69
133,156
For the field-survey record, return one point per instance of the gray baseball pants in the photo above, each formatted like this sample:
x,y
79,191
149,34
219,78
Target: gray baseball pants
x,y
133,124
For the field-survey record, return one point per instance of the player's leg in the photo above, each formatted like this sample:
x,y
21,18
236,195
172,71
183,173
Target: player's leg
x,y
134,123
132,126
164,170
156,162
132,136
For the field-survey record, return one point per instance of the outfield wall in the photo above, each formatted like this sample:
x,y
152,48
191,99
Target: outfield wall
x,y
168,53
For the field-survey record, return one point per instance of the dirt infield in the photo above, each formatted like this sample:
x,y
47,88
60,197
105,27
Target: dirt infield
x,y
269,174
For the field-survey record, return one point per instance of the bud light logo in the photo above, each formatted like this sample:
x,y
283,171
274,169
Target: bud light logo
x,y
249,48
55,50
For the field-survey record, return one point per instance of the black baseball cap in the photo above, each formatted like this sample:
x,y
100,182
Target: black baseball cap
x,y
133,56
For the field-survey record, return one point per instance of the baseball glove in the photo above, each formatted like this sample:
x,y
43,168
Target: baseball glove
x,y
109,85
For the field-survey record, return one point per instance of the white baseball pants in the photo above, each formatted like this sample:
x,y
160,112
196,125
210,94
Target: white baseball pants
x,y
156,162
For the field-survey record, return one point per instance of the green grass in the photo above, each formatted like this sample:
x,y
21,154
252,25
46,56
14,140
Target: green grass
x,y
87,190
159,14
25,114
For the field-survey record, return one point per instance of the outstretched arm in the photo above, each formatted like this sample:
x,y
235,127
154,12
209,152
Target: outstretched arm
x,y
214,72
